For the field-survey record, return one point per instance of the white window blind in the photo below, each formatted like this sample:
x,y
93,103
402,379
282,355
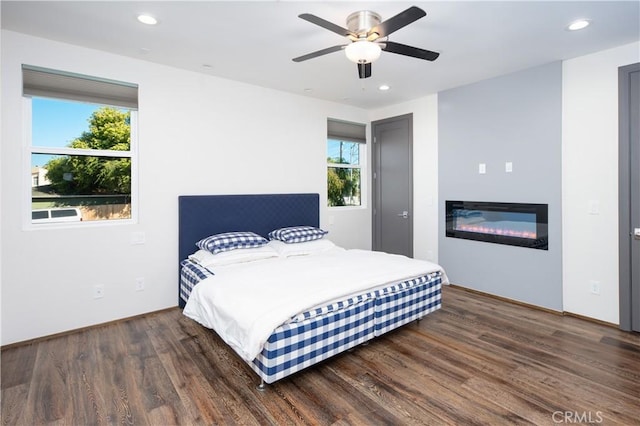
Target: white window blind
x,y
56,84
346,131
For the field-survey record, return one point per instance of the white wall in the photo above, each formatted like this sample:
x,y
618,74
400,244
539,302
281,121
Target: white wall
x,y
590,173
425,171
197,135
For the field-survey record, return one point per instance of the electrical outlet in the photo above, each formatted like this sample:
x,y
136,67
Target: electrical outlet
x,y
98,291
595,287
139,284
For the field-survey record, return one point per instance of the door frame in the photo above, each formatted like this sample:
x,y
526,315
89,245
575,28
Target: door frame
x,y
375,171
624,197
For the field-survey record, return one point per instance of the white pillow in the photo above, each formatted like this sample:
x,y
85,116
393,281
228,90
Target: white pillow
x,y
301,249
207,259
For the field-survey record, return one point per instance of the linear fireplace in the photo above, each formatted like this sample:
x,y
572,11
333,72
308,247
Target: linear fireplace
x,y
516,224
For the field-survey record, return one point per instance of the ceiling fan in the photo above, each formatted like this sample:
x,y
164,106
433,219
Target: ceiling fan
x,y
369,37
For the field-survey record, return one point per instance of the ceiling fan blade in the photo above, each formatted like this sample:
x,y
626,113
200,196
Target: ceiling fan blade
x,y
327,25
415,52
364,70
318,53
402,19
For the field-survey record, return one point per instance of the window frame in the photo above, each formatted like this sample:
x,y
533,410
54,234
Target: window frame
x,y
361,166
348,131
29,149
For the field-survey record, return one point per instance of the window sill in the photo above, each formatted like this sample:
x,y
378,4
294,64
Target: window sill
x,y
78,225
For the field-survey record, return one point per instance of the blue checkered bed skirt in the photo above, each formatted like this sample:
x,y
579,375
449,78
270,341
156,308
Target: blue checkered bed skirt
x,y
295,346
316,335
408,301
190,275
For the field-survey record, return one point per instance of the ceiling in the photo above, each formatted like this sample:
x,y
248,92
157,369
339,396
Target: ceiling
x,y
254,42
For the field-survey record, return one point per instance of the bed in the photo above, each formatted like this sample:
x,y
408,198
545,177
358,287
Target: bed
x,y
320,330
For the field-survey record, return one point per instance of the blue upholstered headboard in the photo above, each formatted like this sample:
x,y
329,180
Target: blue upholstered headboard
x,y
204,215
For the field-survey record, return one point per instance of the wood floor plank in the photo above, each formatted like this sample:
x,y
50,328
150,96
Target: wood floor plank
x,y
333,399
478,360
620,362
113,394
48,399
373,385
426,390
229,380
493,368
17,366
567,362
581,393
530,407
17,372
182,373
13,404
630,349
84,383
149,378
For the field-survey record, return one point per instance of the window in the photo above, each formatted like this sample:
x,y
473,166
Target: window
x,y
345,155
81,147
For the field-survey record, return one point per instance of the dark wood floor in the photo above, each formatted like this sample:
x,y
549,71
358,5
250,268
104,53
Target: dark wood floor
x,y
476,361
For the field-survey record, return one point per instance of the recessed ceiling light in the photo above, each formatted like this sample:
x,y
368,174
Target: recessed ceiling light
x,y
384,87
147,19
578,25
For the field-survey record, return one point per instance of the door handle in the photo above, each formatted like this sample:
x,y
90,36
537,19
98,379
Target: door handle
x,y
636,233
404,214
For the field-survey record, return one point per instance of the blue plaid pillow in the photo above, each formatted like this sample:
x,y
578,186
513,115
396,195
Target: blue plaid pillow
x,y
297,234
231,241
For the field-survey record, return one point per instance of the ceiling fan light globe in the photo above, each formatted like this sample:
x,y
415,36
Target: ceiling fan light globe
x,y
363,51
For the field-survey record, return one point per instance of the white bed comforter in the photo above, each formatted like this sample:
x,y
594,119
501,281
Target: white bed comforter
x,y
245,303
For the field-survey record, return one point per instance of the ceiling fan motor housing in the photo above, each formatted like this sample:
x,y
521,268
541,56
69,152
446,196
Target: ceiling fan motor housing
x,y
361,22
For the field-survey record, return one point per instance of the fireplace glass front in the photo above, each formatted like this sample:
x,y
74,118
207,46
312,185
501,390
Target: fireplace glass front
x,y
517,224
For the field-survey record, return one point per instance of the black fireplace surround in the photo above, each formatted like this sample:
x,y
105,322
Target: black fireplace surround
x,y
516,224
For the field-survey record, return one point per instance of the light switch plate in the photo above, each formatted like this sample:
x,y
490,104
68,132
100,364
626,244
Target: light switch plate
x,y
137,237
